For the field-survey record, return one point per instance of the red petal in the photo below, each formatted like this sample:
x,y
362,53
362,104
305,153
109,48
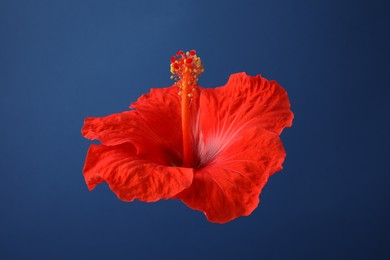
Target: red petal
x,y
154,127
245,98
237,144
131,177
110,130
229,186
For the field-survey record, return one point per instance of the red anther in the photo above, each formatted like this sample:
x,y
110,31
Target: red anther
x,y
176,66
189,61
192,52
179,53
173,59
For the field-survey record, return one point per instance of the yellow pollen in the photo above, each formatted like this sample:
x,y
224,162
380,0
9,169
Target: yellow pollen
x,y
186,69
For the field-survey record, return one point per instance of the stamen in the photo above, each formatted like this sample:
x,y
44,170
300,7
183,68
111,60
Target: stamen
x,y
186,68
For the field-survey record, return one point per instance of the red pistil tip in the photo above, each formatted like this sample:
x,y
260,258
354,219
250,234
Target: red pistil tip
x,y
186,68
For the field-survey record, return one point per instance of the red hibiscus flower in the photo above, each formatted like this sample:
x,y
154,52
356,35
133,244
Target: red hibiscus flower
x,y
214,149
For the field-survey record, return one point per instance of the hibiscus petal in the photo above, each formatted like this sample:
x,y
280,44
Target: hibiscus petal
x,y
229,185
160,114
246,98
110,130
131,177
154,127
236,135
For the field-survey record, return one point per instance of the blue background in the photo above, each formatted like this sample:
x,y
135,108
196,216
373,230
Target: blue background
x,y
61,61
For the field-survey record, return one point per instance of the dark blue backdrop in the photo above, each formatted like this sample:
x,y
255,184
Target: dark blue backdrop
x,y
61,61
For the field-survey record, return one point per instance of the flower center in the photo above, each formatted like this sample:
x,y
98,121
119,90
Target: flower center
x,y
186,68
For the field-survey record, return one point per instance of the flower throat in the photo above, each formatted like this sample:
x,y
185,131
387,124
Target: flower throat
x,y
186,68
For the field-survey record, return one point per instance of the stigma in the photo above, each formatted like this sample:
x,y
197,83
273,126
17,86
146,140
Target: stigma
x,y
186,69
